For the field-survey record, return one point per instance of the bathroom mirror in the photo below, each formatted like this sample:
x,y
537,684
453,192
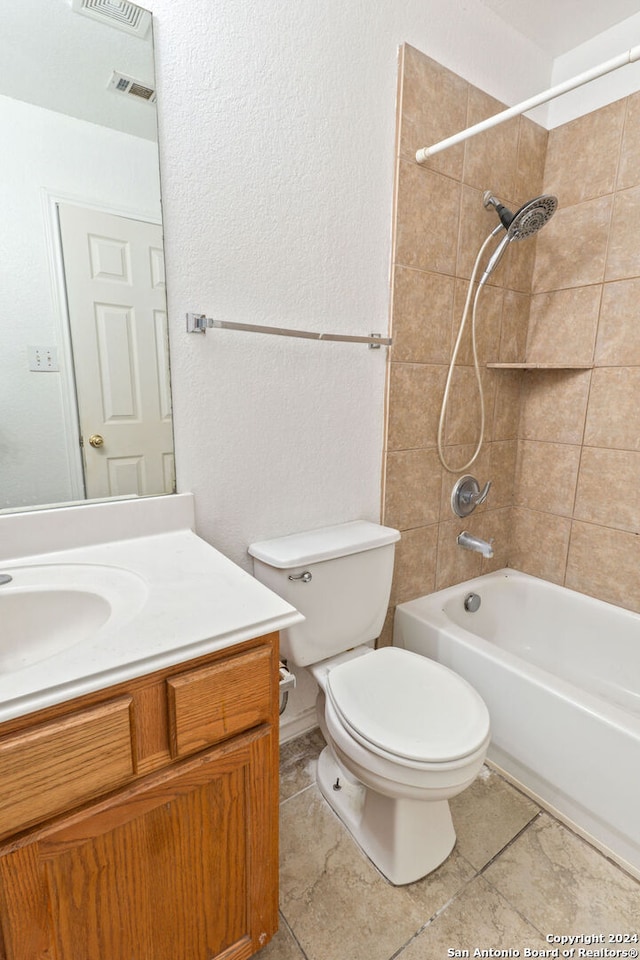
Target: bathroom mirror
x,y
84,368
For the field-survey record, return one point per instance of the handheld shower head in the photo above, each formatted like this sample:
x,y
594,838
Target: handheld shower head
x,y
520,225
526,221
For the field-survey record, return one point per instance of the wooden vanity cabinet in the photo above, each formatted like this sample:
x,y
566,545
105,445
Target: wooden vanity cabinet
x,y
177,863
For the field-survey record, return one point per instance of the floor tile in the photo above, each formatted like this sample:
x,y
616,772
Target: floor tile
x,y
281,947
298,762
479,919
563,885
541,879
487,816
336,901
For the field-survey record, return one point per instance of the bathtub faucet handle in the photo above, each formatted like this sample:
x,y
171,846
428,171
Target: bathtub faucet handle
x,y
484,493
467,495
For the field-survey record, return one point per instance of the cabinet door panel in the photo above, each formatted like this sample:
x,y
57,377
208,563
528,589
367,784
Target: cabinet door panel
x,y
24,937
167,873
123,893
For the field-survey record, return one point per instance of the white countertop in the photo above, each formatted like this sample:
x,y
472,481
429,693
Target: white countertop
x,y
191,600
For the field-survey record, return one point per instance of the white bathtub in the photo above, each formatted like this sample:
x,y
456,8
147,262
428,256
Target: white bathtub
x,y
560,674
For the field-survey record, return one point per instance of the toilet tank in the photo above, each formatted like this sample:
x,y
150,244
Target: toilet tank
x,y
338,577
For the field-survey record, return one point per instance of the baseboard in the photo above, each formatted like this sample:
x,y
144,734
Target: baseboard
x,y
298,724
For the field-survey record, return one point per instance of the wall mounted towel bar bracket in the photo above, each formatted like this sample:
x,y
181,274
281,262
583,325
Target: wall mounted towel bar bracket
x,y
199,323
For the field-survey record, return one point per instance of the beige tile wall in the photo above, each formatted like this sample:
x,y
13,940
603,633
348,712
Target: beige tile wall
x,y
440,223
577,517
563,446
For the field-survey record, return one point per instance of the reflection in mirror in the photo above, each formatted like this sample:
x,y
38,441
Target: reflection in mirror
x,y
84,375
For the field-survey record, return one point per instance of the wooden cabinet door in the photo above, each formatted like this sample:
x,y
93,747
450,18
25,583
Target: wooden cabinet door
x,y
180,866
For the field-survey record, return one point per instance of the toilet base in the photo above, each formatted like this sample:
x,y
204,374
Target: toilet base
x,y
405,839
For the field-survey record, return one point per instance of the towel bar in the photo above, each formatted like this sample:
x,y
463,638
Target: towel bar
x,y
199,323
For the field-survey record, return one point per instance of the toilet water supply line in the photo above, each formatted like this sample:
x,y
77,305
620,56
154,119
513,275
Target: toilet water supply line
x,y
287,682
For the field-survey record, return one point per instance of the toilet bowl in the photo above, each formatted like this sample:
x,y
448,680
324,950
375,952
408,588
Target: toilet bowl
x,y
404,733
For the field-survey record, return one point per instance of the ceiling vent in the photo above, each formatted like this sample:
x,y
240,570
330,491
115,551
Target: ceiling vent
x,y
117,13
131,88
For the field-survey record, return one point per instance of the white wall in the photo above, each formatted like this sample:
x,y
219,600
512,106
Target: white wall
x,y
277,142
277,126
607,89
46,151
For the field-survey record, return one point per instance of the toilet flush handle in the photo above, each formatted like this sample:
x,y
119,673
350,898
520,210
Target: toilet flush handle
x,y
304,577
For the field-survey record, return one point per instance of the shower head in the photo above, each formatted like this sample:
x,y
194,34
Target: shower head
x,y
520,225
528,219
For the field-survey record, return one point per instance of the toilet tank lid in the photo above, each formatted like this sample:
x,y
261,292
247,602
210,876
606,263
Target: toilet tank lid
x,y
326,543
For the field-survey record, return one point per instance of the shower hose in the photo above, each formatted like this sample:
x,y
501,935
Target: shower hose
x,y
476,365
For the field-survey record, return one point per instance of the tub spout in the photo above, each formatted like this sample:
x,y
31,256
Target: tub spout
x,y
469,542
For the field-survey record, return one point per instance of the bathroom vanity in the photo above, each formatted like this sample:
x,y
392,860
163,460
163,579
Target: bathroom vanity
x,y
138,801
141,821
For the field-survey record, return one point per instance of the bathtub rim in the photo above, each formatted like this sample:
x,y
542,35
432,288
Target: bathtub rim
x,y
612,713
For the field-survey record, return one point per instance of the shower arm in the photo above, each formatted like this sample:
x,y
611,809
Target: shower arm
x,y
630,56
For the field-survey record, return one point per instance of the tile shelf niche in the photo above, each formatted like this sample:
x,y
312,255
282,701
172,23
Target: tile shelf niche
x,y
531,365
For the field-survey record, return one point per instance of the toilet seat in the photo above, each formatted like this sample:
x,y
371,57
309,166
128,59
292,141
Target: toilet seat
x,y
408,709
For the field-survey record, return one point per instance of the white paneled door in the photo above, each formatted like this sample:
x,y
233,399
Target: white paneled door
x,y
114,275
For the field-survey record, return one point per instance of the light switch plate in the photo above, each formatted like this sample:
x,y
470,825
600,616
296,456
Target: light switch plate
x,y
43,359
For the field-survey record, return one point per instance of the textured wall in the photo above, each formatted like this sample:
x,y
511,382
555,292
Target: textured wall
x,y
277,127
277,133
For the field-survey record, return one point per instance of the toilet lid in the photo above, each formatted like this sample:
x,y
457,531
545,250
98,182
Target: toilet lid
x,y
409,706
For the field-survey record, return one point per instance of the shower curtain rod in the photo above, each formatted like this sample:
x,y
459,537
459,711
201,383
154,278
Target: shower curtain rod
x,y
630,56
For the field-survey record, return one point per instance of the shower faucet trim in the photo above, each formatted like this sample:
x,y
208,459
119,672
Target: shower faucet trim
x,y
467,495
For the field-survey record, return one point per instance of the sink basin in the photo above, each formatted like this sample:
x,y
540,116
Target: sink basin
x,y
48,608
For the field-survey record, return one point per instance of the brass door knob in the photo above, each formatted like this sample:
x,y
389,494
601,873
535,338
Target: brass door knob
x,y
96,440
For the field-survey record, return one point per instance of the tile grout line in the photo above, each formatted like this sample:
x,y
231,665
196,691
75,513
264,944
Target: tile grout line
x,y
286,923
458,894
297,793
477,873
526,919
438,912
564,825
543,812
510,843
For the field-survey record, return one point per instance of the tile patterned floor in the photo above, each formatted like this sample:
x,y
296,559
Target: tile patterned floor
x,y
515,875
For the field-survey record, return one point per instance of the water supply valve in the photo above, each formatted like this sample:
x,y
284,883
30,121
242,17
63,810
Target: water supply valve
x,y
287,679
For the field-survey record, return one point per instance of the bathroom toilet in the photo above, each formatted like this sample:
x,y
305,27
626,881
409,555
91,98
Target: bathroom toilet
x,y
404,733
